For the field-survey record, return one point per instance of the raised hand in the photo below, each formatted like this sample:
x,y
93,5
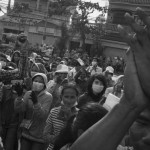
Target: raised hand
x,y
19,89
133,91
34,98
140,46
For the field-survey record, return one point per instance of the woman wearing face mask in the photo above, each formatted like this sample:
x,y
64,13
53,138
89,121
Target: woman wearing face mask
x,y
95,90
35,105
59,115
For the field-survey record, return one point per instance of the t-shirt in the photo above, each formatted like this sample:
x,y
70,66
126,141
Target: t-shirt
x,y
97,70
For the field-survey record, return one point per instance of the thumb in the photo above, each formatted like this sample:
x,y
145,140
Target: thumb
x,y
130,67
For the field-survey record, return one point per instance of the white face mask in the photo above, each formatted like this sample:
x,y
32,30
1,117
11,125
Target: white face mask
x,y
33,73
97,88
37,86
3,63
94,63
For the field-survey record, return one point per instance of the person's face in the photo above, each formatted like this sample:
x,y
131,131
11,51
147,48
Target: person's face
x,y
140,132
78,68
38,79
3,61
35,69
98,82
65,61
60,77
94,62
69,97
57,62
83,75
63,75
109,75
53,69
16,57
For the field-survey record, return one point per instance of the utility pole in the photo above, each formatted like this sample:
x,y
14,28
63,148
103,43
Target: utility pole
x,y
45,26
46,19
38,4
8,8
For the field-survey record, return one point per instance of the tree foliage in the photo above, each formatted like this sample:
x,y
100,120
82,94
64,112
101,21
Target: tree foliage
x,y
60,7
81,22
61,43
20,8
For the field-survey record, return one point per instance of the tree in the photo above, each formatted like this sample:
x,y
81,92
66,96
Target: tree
x,y
20,8
81,22
98,31
60,44
60,7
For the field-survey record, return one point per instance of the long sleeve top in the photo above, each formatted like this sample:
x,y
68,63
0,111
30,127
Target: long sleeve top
x,y
37,114
53,126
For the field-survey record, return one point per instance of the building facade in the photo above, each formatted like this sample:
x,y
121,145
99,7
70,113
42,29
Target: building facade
x,y
35,22
117,8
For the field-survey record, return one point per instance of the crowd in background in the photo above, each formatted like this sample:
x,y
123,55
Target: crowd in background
x,y
37,84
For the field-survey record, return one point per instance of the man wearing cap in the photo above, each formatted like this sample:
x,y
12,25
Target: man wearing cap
x,y
108,73
53,85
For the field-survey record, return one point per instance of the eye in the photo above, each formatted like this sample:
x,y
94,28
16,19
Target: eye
x,y
66,97
96,82
72,97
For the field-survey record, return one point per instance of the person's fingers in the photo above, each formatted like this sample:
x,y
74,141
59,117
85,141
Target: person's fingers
x,y
135,43
130,61
136,28
130,38
143,16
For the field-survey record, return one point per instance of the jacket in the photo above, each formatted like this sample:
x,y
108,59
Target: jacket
x,y
37,114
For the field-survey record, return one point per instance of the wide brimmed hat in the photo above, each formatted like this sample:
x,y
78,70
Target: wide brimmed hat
x,y
62,69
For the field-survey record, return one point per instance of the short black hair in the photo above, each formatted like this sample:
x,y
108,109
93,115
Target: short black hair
x,y
70,85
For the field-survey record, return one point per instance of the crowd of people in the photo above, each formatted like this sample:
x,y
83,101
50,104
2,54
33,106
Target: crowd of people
x,y
76,102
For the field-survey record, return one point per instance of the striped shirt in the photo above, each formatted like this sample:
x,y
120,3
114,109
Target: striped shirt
x,y
53,125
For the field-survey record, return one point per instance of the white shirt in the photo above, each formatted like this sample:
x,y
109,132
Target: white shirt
x,y
98,70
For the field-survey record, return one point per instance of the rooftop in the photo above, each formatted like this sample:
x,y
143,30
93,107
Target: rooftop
x,y
130,4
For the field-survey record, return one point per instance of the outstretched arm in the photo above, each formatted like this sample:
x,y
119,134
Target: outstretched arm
x,y
108,133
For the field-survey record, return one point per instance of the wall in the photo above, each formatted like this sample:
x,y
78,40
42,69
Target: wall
x,y
113,52
37,38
